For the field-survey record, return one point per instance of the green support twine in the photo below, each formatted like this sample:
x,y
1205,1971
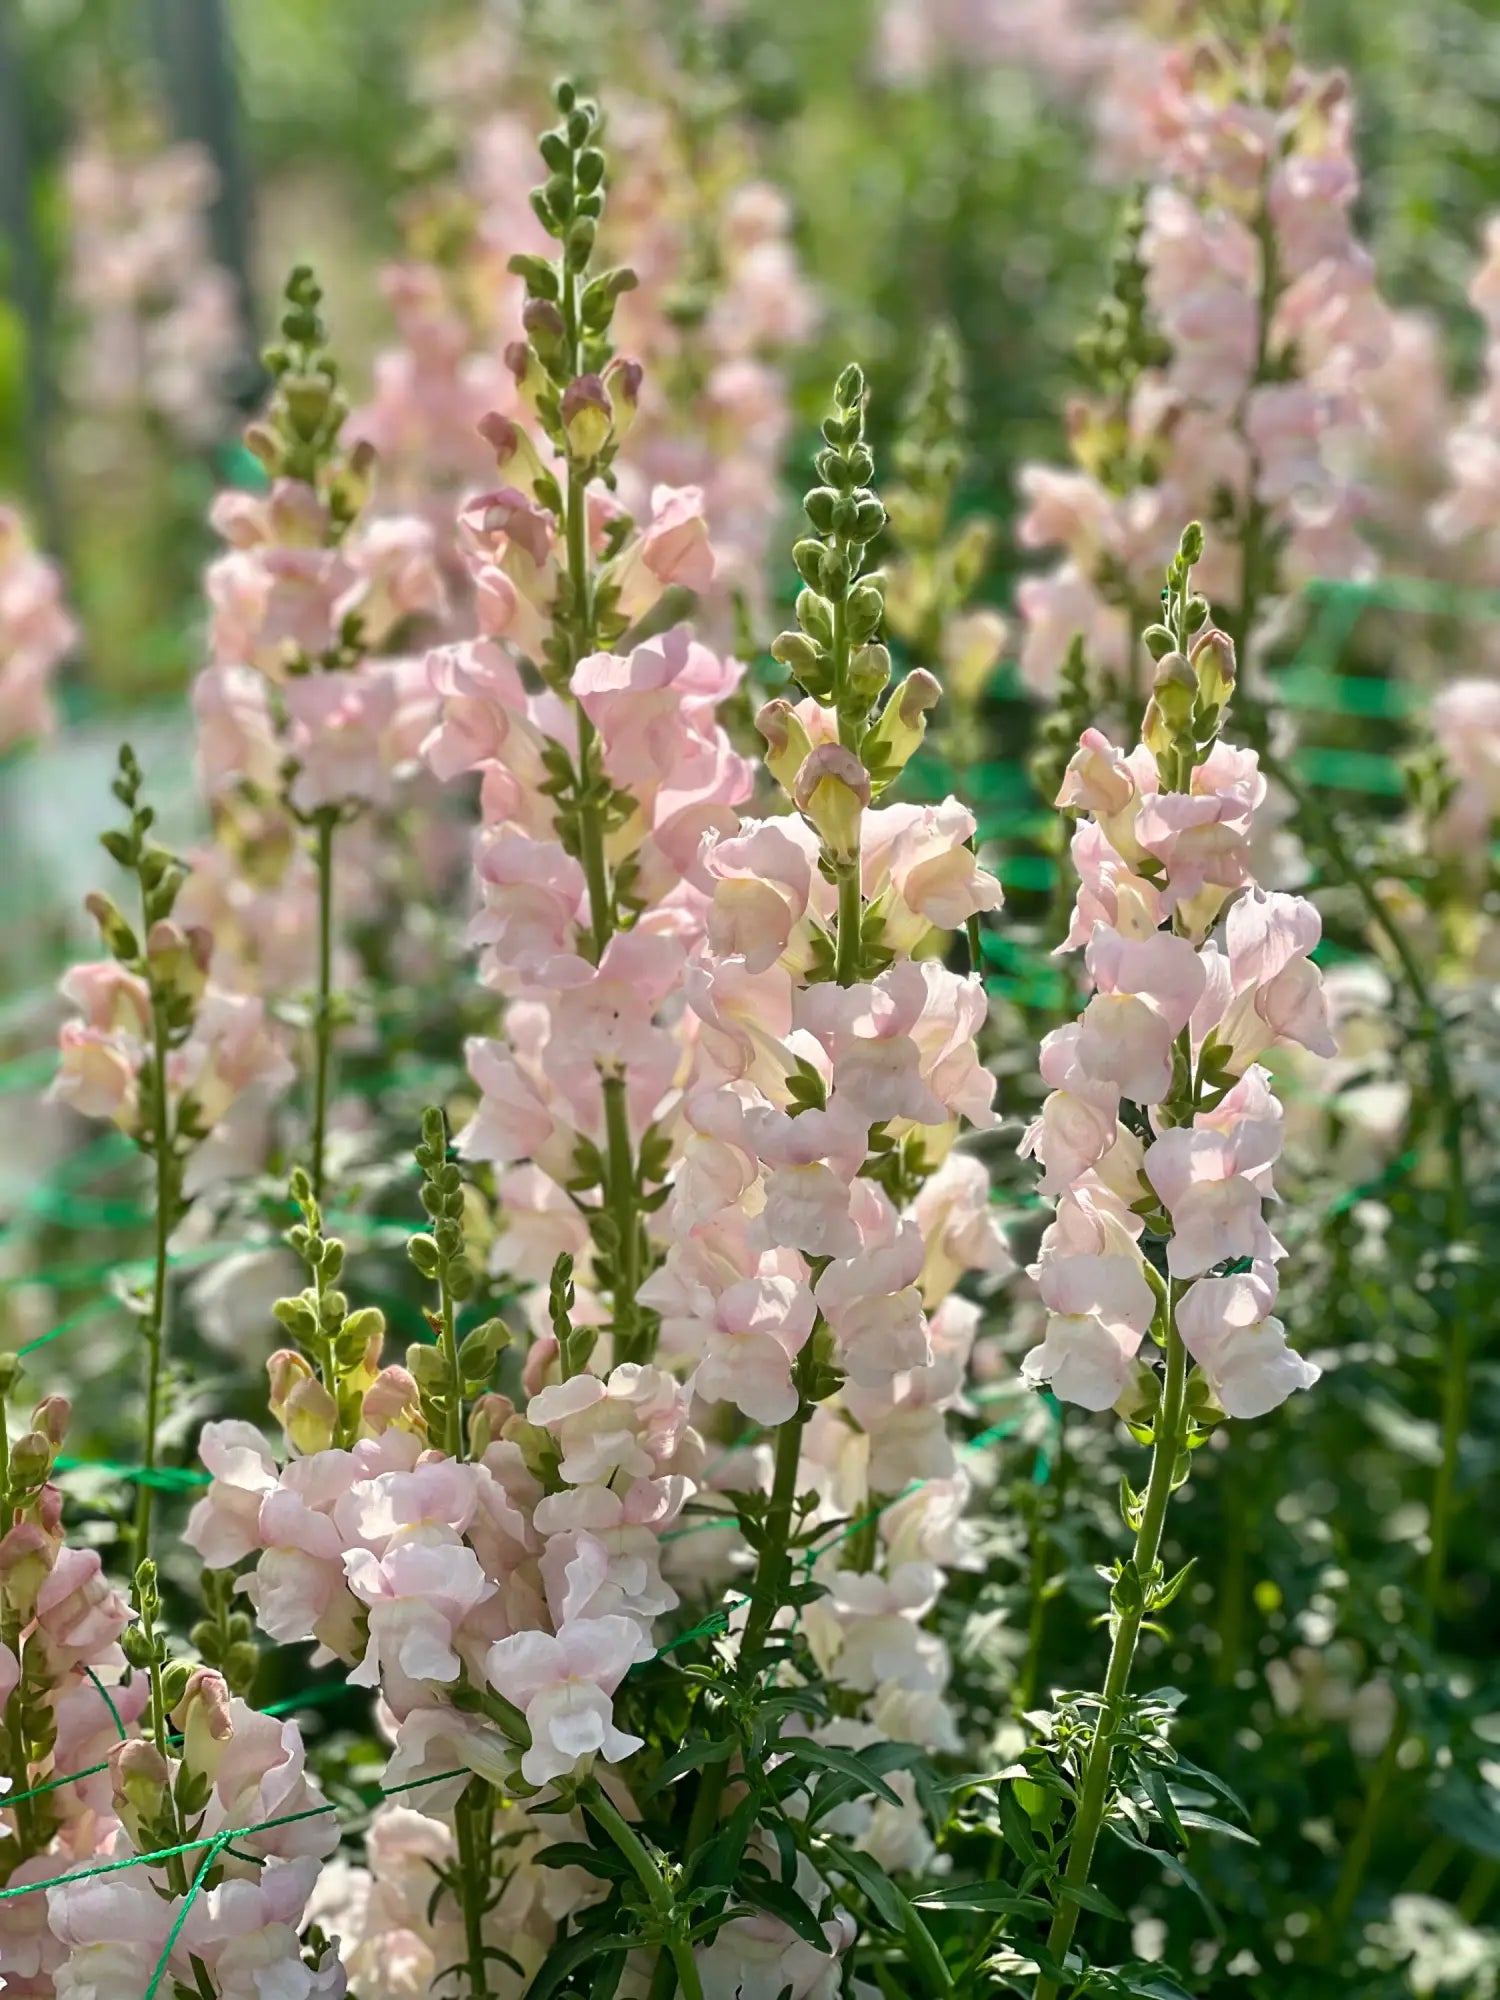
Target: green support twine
x,y
220,1842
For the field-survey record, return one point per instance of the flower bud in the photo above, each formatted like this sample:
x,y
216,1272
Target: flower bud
x,y
1169,713
50,1417
587,416
538,1447
516,456
305,1410
30,1460
832,789
139,1777
202,1716
391,1402
487,1421
787,741
524,363
902,724
1212,659
175,1676
622,381
869,672
119,938
26,1557
177,959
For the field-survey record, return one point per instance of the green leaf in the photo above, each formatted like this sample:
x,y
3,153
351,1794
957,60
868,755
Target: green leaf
x,y
716,1865
564,1960
1018,1828
927,1962
779,1900
982,1896
1160,1795
1089,1898
691,1757
848,1763
578,1854
1203,1822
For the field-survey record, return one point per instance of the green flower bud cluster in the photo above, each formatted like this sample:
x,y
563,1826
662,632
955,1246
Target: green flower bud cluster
x,y
321,1407
939,565
583,396
1195,672
299,436
1072,713
171,961
224,1638
836,657
1120,347
452,1370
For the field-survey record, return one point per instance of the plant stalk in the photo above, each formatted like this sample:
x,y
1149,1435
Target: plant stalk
x,y
659,1895
323,1007
1093,1798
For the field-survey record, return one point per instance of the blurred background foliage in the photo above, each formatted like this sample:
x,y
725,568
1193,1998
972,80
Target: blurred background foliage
x,y
972,199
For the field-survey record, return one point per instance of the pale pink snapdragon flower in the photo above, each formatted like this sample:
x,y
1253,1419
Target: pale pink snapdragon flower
x,y
1160,1113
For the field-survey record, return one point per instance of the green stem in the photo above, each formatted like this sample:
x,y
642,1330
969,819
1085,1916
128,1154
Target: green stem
x,y
471,1824
851,915
1357,1854
455,1418
774,1563
658,1894
155,1324
620,1200
1093,1797
323,1005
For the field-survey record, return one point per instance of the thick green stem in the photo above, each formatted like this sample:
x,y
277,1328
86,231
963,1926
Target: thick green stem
x,y
472,1826
1093,1797
851,914
774,1563
323,1004
658,1894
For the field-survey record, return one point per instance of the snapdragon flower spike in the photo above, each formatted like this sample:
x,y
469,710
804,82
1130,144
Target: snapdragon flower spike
x,y
67,1695
1239,366
37,632
1161,1130
820,1217
158,1048
220,1917
306,730
596,787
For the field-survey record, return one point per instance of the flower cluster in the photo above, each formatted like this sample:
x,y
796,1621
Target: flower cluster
x,y
723,1104
1160,1115
162,319
66,1695
241,1832
1238,370
1467,514
156,1047
36,632
716,299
